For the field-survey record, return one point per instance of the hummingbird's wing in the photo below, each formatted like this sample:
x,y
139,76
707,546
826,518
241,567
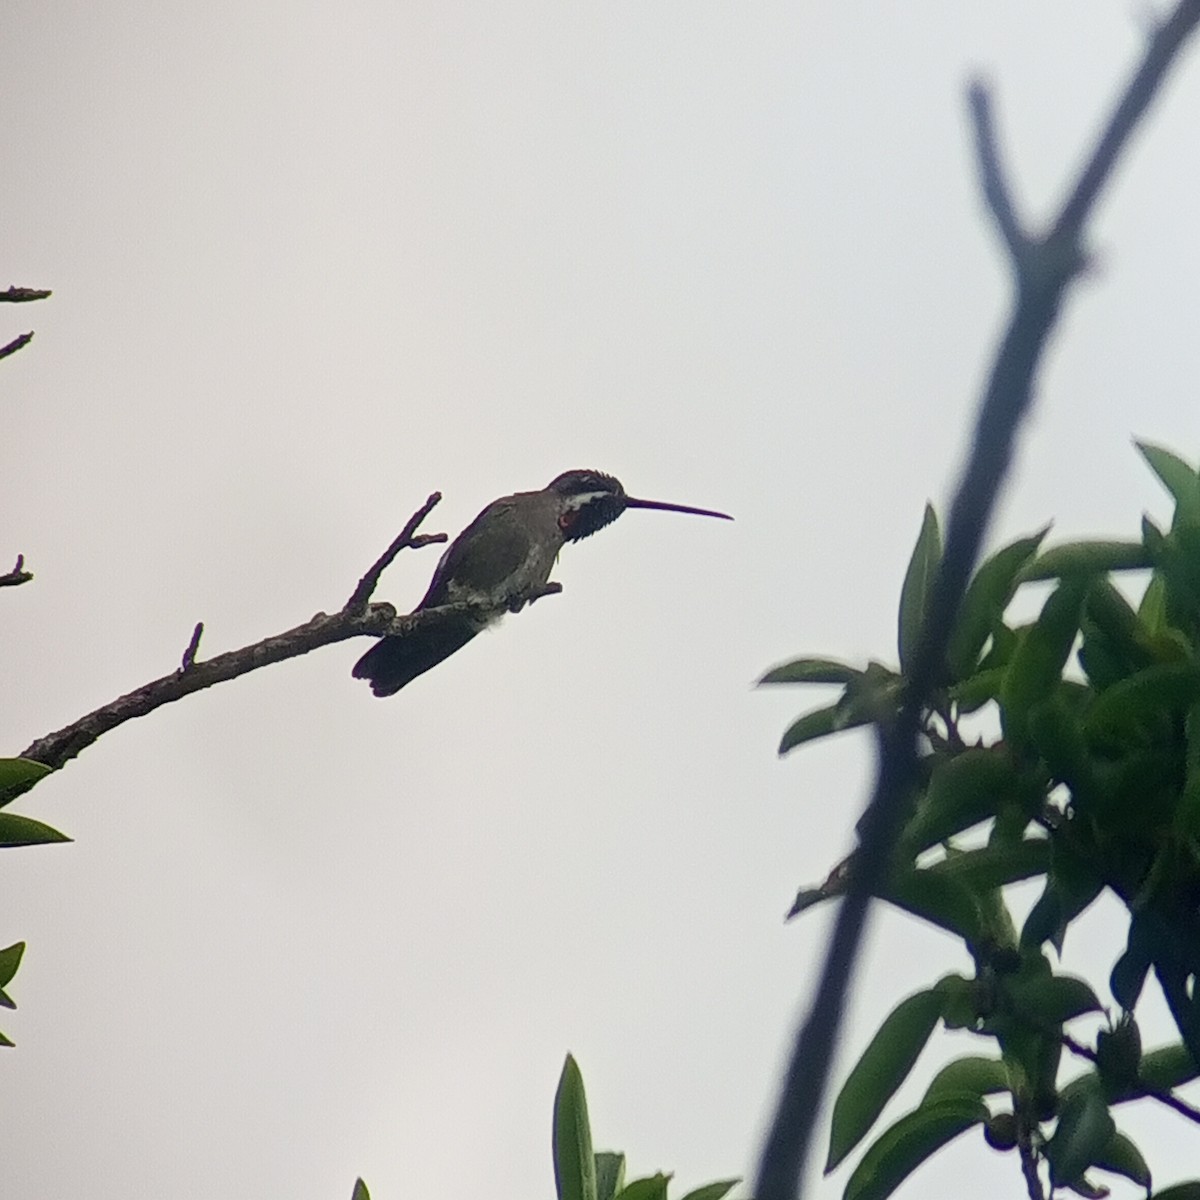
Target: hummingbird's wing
x,y
492,559
497,560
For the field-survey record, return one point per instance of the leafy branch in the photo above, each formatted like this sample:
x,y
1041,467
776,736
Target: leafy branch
x,y
1043,267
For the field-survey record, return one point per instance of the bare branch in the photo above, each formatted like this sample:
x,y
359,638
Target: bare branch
x,y
1042,279
991,173
357,619
407,538
189,655
1165,43
17,575
22,295
18,343
1028,1153
58,748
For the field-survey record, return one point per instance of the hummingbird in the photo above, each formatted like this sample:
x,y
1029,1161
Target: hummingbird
x,y
499,563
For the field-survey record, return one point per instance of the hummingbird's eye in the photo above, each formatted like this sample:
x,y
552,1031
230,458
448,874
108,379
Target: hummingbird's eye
x,y
567,519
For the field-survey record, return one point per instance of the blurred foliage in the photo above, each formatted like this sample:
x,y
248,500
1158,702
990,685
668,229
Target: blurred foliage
x,y
581,1173
1086,777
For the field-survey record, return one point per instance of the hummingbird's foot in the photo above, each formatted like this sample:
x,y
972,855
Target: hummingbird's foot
x,y
547,589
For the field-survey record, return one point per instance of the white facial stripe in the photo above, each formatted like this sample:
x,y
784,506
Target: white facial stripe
x,y
576,502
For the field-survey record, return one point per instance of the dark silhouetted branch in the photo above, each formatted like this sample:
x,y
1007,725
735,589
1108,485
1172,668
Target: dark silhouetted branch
x,y
22,295
1043,270
406,538
991,173
1026,1125
189,655
18,343
17,576
355,620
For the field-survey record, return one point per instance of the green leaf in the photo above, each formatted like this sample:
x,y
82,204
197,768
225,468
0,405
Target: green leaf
x,y
1129,972
1036,667
1072,885
819,723
10,960
574,1162
1177,477
1058,736
653,1187
1168,1067
18,775
898,1151
987,596
1180,1191
999,932
5,1041
1152,611
1085,1129
995,865
973,693
872,695
811,670
918,584
1086,558
1052,999
807,898
963,791
960,1001
610,1174
938,898
713,1191
972,1076
360,1191
1110,617
883,1067
1122,1157
1144,698
25,831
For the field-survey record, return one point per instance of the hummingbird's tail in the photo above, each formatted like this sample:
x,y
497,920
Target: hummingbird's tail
x,y
395,661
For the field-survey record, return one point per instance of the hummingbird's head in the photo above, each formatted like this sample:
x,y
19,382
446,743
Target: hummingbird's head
x,y
589,500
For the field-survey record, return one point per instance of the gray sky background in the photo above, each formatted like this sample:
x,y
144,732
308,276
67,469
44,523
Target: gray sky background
x,y
313,261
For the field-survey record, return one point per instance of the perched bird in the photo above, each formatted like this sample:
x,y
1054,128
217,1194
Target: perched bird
x,y
499,563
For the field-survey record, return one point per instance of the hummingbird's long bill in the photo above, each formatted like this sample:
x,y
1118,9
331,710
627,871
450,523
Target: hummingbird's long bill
x,y
634,502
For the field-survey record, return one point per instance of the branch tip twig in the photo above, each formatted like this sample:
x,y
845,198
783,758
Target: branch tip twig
x,y
18,343
407,538
189,655
1163,45
17,575
996,190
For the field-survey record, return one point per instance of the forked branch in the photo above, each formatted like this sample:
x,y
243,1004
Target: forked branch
x,y
1043,267
356,619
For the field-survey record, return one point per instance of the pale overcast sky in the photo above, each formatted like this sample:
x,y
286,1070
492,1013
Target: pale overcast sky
x,y
313,261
